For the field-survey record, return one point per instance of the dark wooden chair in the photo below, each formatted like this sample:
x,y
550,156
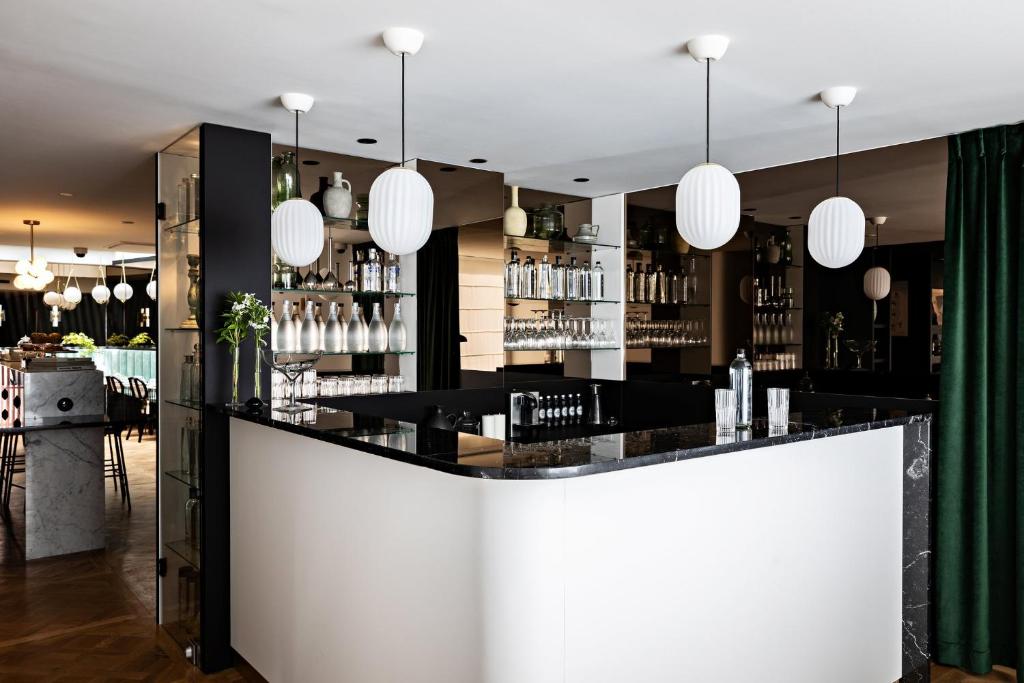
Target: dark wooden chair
x,y
114,467
140,391
11,462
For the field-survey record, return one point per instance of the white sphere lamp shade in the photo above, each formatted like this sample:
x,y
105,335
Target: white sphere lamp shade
x,y
835,232
296,232
401,213
51,298
707,206
151,289
101,294
877,283
122,291
72,294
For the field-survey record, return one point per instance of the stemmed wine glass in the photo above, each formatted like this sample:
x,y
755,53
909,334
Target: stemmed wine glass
x,y
291,365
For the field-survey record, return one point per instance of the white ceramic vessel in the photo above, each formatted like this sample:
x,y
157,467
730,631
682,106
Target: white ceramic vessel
x,y
338,198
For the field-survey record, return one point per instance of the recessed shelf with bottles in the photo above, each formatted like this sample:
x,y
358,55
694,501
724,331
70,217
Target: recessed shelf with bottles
x,y
340,292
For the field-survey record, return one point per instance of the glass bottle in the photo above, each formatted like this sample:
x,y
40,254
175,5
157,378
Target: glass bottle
x,y
558,279
273,327
371,274
740,381
286,179
630,284
661,282
597,282
377,333
528,279
586,281
691,282
544,278
355,332
185,389
334,332
309,336
285,329
192,518
572,280
396,330
321,327
512,272
640,284
394,274
652,284
673,288
352,284
787,249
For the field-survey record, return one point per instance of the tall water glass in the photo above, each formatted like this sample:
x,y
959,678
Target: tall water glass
x,y
778,408
725,410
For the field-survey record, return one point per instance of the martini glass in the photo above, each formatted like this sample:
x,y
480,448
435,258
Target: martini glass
x,y
291,365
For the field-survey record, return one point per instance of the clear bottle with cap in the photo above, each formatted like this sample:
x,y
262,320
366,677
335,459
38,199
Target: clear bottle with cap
x,y
394,274
544,278
572,280
309,336
512,276
586,281
558,279
334,331
630,284
528,279
597,282
741,382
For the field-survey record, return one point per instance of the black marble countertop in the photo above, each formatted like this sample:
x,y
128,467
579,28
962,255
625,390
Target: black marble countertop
x,y
573,456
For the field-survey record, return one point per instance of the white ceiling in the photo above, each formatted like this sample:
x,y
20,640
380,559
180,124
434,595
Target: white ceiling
x,y
547,91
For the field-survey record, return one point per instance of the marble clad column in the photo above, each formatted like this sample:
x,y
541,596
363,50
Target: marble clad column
x,y
916,549
64,491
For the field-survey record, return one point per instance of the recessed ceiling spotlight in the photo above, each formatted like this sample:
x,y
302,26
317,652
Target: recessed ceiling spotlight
x,y
478,160
310,162
581,180
65,194
447,169
128,222
367,141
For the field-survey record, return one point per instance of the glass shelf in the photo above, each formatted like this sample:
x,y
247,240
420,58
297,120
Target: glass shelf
x,y
191,405
183,549
658,303
181,329
190,480
331,222
539,245
561,301
189,226
665,250
367,353
339,292
558,348
668,348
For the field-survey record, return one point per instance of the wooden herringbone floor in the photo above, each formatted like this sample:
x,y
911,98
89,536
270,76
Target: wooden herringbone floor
x,y
89,616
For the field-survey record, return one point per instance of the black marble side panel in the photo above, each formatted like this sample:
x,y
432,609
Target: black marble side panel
x,y
916,549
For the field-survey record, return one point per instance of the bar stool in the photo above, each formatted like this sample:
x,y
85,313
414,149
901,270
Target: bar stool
x,y
11,463
114,467
140,391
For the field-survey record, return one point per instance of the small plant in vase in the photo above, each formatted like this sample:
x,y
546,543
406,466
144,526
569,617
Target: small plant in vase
x,y
258,319
233,332
833,325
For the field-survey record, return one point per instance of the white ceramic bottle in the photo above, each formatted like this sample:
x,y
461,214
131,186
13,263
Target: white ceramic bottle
x,y
285,329
355,332
334,331
396,330
377,334
321,328
309,337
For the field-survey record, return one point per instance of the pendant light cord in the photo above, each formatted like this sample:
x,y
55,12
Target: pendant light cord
x,y
707,113
837,150
298,179
403,110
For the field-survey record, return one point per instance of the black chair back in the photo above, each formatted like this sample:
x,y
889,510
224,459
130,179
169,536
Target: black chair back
x,y
139,389
115,385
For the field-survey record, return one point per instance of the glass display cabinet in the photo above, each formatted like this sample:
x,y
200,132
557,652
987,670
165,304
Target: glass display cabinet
x,y
212,237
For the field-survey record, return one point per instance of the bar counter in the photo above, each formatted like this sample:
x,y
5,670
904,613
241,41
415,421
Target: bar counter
x,y
639,554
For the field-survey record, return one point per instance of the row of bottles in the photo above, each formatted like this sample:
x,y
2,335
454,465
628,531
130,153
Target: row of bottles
x,y
776,250
773,295
312,333
561,410
655,285
367,272
774,361
773,328
553,281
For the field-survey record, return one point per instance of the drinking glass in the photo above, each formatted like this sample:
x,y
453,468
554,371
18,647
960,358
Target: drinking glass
x,y
778,408
395,383
725,410
379,384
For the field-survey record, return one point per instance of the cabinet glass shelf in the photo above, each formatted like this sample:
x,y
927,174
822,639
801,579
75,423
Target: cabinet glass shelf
x,y
338,292
559,348
185,550
190,480
191,405
182,226
539,245
668,348
356,224
561,301
358,353
665,250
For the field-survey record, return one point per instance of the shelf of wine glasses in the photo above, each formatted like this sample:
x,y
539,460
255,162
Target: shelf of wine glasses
x,y
191,405
185,550
191,480
562,348
356,353
538,245
182,226
674,347
340,292
562,301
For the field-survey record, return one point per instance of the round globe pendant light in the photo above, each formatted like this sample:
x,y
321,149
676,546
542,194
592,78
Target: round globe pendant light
x,y
101,293
708,196
835,229
72,292
401,213
297,226
122,290
877,281
51,298
151,285
32,273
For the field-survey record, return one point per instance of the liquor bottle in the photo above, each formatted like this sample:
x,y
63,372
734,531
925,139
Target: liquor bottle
x,y
597,282
691,282
662,285
377,333
355,338
630,284
285,329
352,284
572,280
321,328
544,278
556,417
512,275
652,285
528,279
787,249
640,285
558,279
372,272
309,337
543,413
579,409
586,281
396,330
740,381
334,333
394,274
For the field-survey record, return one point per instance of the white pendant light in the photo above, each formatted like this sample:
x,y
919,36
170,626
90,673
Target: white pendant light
x,y
122,290
708,196
32,272
151,285
401,213
72,292
51,298
877,281
297,226
835,229
101,293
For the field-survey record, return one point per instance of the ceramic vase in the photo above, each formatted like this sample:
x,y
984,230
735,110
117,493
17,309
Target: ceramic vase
x,y
338,198
515,217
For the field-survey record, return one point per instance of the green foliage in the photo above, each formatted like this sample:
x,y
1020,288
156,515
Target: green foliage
x,y
117,339
140,340
245,312
78,339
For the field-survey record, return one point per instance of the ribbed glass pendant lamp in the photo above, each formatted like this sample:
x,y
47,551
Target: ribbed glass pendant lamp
x,y
401,213
877,280
297,226
835,229
708,196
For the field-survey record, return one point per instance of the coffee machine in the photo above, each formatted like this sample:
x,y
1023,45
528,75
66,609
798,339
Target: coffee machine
x,y
523,412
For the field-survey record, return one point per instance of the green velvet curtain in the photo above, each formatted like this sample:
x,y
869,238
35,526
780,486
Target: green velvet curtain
x,y
979,563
